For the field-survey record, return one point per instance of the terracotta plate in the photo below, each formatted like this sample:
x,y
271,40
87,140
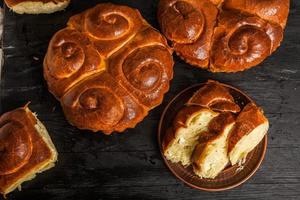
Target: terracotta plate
x,y
231,176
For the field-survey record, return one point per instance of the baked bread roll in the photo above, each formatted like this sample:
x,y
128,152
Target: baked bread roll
x,y
223,36
210,154
25,149
108,68
182,137
250,128
214,96
36,6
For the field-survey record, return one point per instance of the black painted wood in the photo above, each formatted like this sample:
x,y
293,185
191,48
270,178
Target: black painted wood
x,y
129,165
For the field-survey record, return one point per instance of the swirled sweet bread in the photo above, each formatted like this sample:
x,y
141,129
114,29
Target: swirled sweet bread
x,y
25,148
36,6
108,68
223,35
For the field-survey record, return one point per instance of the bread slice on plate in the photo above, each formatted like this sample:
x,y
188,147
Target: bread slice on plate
x,y
250,128
37,6
210,154
181,139
215,96
26,149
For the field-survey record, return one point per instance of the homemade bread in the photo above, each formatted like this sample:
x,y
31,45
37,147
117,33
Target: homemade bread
x,y
108,68
25,149
224,35
211,132
182,137
250,128
37,6
210,154
215,96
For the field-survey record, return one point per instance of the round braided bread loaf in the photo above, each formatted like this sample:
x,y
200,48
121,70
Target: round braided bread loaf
x,y
108,68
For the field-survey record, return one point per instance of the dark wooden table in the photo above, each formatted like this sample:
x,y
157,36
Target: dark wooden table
x,y
129,165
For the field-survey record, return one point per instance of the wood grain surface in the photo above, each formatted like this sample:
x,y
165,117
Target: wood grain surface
x,y
129,165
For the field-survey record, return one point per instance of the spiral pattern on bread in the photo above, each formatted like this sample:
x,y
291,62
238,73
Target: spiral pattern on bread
x,y
108,68
224,36
15,145
215,96
25,148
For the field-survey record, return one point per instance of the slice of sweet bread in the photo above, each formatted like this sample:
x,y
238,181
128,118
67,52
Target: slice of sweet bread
x,y
215,96
210,155
181,139
26,149
250,128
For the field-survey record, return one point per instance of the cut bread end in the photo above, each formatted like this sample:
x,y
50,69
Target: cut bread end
x,y
210,158
247,143
185,138
250,128
39,7
41,167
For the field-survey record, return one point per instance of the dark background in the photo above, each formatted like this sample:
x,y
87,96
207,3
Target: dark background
x,y
129,165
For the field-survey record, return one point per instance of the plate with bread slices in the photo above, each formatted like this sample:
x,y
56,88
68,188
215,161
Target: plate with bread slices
x,y
212,136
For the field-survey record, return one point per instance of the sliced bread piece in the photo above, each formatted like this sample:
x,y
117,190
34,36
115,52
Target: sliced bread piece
x,y
250,128
19,124
210,155
181,139
215,96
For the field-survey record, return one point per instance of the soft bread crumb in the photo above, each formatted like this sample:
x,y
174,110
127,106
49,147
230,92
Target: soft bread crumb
x,y
183,145
240,151
214,158
33,7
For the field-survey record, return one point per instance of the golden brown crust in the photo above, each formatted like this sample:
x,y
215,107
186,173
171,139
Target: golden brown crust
x,y
108,68
250,117
215,96
223,36
215,129
242,41
21,147
275,11
189,25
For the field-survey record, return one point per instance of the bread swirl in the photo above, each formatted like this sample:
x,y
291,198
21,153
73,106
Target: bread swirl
x,y
214,96
223,36
25,149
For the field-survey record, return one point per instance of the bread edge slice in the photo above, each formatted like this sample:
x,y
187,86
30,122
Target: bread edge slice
x,y
42,131
258,134
250,121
